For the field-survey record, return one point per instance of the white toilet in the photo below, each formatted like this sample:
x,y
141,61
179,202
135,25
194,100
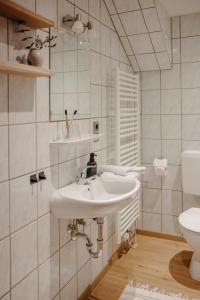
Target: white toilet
x,y
189,220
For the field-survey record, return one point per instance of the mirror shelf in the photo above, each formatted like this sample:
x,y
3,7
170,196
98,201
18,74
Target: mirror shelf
x,y
77,140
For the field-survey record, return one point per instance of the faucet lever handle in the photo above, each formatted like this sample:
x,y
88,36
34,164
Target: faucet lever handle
x,y
99,173
81,222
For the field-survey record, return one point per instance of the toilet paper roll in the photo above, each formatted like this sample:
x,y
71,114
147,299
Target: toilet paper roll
x,y
160,171
160,166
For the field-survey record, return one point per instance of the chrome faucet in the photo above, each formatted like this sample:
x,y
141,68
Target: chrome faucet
x,y
84,179
84,172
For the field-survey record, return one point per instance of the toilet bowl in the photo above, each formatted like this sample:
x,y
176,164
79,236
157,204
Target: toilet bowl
x,y
189,222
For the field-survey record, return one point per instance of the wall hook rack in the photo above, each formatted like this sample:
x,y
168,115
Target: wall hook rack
x,y
42,176
33,179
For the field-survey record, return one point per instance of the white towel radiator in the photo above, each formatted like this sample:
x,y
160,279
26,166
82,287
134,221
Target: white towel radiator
x,y
127,140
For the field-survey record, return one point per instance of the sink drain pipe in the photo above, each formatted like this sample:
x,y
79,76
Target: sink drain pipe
x,y
75,233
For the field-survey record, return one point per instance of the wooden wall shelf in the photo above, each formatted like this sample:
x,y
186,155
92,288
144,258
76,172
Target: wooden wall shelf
x,y
29,18
16,68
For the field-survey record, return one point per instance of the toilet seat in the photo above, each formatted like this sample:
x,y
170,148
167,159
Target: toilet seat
x,y
190,219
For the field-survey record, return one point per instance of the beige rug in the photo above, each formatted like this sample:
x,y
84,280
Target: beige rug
x,y
142,292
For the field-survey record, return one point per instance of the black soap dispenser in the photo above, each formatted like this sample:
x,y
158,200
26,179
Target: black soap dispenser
x,y
92,163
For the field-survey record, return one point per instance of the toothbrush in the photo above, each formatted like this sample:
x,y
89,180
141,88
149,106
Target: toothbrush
x,y
67,123
75,112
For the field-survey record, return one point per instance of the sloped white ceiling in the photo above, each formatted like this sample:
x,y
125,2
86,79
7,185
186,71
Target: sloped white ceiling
x,y
145,31
181,7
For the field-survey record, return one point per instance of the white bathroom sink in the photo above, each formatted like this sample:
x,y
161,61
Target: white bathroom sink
x,y
103,196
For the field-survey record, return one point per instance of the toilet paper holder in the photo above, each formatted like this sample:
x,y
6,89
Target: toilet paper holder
x,y
160,166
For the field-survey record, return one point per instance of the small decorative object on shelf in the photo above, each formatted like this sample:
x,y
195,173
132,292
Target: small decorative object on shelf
x,y
35,56
22,59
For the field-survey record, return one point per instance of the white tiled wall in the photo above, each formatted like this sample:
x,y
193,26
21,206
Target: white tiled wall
x,y
170,125
37,259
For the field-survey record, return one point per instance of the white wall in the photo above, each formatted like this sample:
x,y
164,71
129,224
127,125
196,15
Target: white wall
x,y
37,259
170,125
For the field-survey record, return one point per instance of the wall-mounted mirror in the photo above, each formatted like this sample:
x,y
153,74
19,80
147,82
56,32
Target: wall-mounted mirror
x,y
70,84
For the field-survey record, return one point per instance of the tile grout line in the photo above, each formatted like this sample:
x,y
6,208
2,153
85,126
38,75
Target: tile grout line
x,y
36,165
180,29
161,146
8,97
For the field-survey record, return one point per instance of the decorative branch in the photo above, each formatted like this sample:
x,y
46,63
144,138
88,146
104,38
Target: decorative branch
x,y
23,30
26,38
40,44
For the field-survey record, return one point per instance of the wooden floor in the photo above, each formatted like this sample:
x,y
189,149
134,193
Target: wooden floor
x,y
157,262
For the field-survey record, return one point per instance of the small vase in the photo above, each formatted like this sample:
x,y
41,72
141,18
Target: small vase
x,y
35,58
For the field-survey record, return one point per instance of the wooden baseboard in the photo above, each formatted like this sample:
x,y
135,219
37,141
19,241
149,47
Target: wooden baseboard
x,y
86,294
105,269
161,235
88,291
